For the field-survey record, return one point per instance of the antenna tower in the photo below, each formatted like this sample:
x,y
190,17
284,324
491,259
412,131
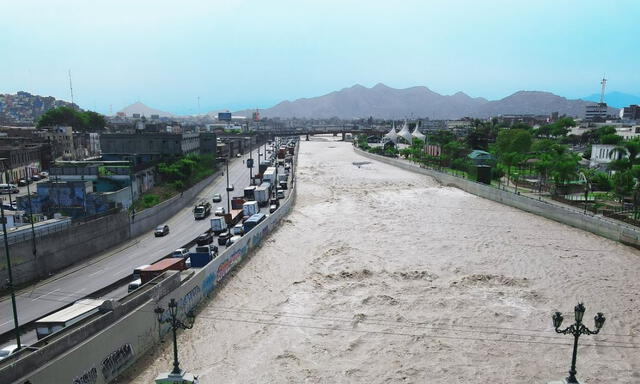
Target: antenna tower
x,y
604,84
71,87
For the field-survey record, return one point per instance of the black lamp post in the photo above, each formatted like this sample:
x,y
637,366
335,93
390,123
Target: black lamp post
x,y
576,330
229,189
175,325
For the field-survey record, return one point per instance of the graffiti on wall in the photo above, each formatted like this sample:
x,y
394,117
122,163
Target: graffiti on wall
x,y
208,283
116,361
225,267
89,377
188,301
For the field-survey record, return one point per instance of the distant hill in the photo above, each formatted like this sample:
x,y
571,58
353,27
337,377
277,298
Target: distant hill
x,y
615,99
143,110
25,108
385,102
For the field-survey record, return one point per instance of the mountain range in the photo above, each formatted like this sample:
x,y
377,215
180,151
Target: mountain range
x,y
382,101
143,110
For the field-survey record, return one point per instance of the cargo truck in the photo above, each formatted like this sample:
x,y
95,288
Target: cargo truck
x,y
250,208
202,210
202,256
237,202
218,225
77,312
249,192
232,218
262,195
264,164
168,264
269,175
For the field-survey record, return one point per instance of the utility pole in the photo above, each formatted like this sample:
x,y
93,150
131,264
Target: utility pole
x,y
228,188
11,290
250,163
33,229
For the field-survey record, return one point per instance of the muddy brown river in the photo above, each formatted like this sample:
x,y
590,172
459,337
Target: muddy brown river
x,y
380,275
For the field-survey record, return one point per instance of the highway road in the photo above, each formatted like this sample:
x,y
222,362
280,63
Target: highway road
x,y
78,281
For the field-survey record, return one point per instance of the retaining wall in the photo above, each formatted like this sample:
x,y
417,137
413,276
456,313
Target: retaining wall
x,y
102,357
598,225
151,217
61,249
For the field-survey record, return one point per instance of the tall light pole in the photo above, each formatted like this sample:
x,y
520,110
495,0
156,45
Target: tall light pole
x,y
33,229
250,163
229,189
11,290
175,325
576,330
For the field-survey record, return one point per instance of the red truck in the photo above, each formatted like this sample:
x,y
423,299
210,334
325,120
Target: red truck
x,y
168,264
237,202
232,218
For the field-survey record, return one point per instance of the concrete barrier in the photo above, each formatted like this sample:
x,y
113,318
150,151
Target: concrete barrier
x,y
59,250
128,334
151,217
598,225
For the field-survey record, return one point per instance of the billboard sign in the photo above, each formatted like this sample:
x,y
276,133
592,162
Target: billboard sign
x,y
224,116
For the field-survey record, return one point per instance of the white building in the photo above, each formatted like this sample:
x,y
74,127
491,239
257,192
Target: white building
x,y
602,154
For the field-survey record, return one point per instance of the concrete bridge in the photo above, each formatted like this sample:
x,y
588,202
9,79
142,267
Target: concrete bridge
x,y
343,129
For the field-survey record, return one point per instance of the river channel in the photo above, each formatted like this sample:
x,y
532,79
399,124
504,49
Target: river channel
x,y
380,275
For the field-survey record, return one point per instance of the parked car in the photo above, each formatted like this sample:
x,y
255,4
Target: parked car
x,y
204,239
44,174
161,230
8,188
23,182
220,211
8,351
180,252
35,178
223,237
217,198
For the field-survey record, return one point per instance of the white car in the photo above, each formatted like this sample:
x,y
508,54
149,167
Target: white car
x,y
180,252
8,351
220,211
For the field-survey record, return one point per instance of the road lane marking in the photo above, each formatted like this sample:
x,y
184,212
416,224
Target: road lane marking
x,y
46,294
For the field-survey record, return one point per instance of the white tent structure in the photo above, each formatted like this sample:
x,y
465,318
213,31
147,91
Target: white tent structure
x,y
392,135
405,134
417,134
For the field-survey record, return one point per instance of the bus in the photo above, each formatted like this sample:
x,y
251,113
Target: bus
x,y
253,221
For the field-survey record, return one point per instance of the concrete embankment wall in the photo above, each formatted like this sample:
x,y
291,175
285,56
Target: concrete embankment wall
x,y
110,351
61,249
150,218
598,225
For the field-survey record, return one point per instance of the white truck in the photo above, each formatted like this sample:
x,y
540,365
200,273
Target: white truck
x,y
250,208
261,195
270,175
218,225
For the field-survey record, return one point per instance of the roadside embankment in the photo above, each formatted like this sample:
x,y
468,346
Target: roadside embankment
x,y
595,224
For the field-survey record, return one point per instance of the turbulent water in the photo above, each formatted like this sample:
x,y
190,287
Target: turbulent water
x,y
380,275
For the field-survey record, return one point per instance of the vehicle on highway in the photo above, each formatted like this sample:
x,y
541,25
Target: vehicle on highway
x,y
8,351
223,237
8,188
217,198
238,230
202,210
220,211
135,284
280,194
158,268
35,178
180,252
205,238
272,208
218,224
44,174
136,271
23,182
230,187
80,310
238,154
232,240
254,220
161,230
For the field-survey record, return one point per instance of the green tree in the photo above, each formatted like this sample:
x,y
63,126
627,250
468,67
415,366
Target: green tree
x,y
623,184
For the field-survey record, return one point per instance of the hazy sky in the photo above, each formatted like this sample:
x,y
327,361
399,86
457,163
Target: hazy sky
x,y
244,54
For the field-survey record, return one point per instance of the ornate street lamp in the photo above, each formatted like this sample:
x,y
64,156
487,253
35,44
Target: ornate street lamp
x,y
175,325
576,330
